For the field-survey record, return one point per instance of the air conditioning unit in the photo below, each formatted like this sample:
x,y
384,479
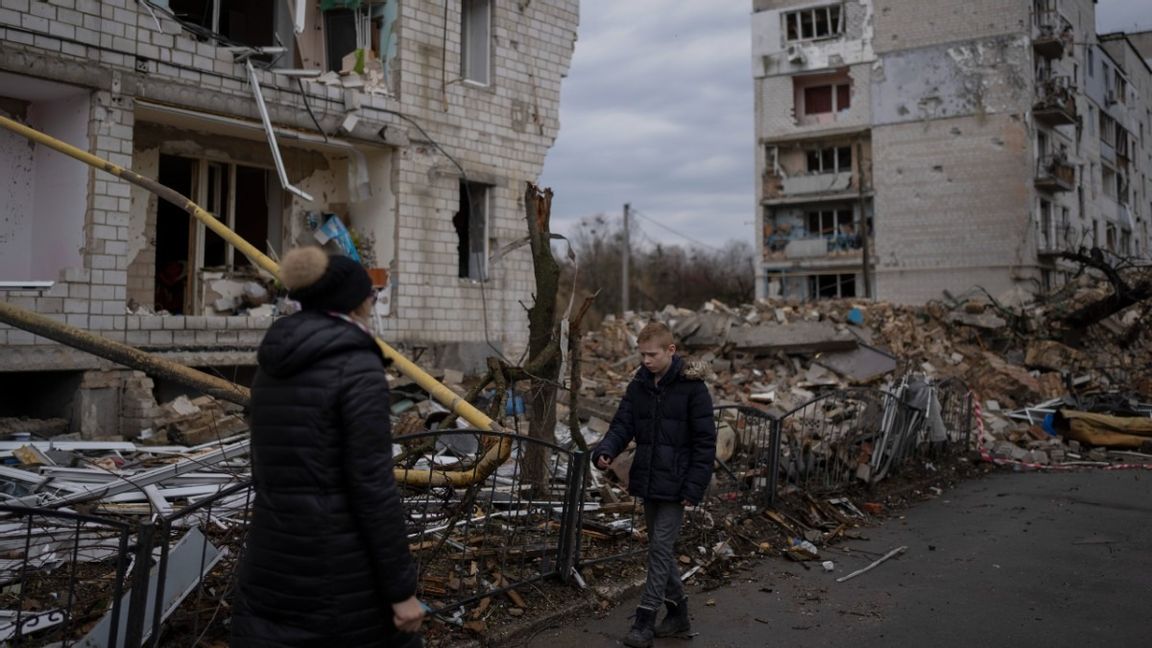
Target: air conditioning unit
x,y
795,54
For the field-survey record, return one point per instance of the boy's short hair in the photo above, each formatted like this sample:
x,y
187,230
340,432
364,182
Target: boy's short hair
x,y
656,332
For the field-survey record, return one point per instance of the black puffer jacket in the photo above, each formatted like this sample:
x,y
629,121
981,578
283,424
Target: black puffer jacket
x,y
327,553
674,432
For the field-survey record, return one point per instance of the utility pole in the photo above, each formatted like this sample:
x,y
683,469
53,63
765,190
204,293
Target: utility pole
x,y
626,256
863,220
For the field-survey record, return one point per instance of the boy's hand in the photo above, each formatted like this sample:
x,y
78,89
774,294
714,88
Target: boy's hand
x,y
603,462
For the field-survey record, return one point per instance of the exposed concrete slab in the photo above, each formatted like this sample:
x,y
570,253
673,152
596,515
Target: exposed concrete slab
x,y
797,337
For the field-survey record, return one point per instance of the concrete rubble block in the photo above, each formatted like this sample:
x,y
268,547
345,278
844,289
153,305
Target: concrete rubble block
x,y
985,321
1052,356
796,337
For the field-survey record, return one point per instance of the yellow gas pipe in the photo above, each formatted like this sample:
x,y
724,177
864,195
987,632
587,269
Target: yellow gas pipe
x,y
497,454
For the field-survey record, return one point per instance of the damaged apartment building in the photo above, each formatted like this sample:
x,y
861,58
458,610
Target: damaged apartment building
x,y
911,147
402,131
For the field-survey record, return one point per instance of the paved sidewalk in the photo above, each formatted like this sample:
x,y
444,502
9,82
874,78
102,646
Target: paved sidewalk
x,y
1049,560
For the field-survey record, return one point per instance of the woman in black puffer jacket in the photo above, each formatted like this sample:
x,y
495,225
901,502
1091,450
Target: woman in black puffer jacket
x,y
327,561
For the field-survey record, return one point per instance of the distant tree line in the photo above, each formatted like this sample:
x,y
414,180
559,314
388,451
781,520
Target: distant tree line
x,y
661,274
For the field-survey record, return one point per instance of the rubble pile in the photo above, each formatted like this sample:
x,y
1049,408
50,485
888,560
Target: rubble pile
x,y
1021,362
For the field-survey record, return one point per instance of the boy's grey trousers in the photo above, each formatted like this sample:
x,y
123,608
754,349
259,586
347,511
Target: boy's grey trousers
x,y
664,520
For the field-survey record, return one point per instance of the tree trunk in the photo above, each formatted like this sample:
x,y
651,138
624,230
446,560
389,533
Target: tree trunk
x,y
543,337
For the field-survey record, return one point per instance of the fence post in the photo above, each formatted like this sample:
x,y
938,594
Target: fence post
x,y
777,426
969,401
138,599
573,510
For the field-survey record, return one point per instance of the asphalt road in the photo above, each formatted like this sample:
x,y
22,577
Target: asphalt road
x,y
1015,560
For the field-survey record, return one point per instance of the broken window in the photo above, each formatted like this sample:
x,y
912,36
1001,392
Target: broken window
x,y
249,23
833,286
1110,237
828,223
1109,181
1046,238
243,197
1125,242
471,223
476,40
837,159
809,24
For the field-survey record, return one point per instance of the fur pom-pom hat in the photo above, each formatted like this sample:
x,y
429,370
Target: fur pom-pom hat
x,y
322,282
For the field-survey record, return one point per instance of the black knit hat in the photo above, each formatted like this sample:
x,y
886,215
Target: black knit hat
x,y
322,282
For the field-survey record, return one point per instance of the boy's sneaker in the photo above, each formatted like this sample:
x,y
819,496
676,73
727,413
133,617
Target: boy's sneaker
x,y
640,636
676,623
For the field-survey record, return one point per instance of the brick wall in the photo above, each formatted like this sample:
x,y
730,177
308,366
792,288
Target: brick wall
x,y
934,230
500,134
904,24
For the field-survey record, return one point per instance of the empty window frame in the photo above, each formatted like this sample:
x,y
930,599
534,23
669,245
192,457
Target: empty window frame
x,y
836,159
814,23
1110,237
1046,230
827,223
830,98
832,286
471,223
249,23
1125,242
245,198
1108,176
1107,129
476,41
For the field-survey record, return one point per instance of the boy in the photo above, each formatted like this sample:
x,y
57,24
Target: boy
x,y
668,411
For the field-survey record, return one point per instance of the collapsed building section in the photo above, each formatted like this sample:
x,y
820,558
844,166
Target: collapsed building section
x,y
398,132
911,148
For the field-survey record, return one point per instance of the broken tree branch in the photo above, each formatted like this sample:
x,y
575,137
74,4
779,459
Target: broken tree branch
x,y
574,347
895,552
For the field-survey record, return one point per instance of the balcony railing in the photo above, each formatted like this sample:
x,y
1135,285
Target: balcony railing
x,y
1053,35
776,186
1055,102
784,247
1055,173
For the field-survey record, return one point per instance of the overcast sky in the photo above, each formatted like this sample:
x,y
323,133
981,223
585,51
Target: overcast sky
x,y
657,111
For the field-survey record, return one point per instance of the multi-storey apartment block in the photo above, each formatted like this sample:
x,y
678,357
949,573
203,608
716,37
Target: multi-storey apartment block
x,y
911,147
418,124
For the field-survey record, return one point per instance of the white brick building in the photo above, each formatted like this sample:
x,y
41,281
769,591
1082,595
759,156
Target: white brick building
x,y
130,83
910,147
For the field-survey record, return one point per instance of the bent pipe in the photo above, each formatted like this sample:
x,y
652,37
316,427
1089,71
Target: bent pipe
x,y
124,354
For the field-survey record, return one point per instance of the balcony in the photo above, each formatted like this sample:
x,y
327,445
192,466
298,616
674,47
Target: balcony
x,y
782,250
777,187
1055,103
1052,36
1055,173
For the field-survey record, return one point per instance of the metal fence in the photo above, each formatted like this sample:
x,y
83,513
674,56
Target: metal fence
x,y
831,442
75,579
60,572
513,528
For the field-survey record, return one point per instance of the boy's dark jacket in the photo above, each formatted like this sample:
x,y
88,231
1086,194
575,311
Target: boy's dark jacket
x,y
327,553
674,432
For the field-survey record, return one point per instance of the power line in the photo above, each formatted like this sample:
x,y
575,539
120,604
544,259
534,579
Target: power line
x,y
680,234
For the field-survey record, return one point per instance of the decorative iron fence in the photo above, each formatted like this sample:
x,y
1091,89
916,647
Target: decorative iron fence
x,y
62,571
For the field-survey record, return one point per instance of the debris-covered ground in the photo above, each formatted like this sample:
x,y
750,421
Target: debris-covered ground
x,y
848,410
